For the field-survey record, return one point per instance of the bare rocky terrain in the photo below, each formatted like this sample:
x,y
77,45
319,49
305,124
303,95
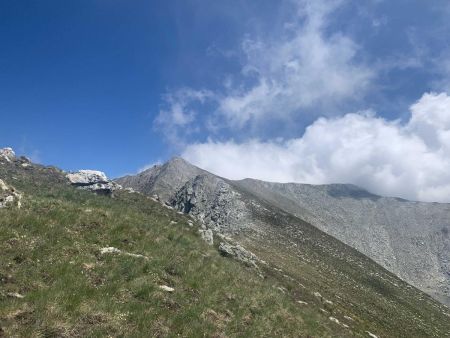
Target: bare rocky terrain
x,y
410,239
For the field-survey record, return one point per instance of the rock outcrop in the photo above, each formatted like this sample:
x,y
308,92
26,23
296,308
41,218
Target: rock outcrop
x,y
207,236
7,154
239,253
213,202
93,180
9,196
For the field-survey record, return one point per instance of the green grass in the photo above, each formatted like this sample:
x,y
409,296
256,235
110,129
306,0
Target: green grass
x,y
50,253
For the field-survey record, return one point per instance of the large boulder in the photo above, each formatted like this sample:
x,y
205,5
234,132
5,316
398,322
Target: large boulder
x,y
93,180
7,154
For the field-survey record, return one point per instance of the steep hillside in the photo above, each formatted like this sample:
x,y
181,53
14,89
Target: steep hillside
x,y
410,239
78,264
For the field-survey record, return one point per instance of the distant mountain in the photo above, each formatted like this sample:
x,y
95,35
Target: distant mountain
x,y
410,239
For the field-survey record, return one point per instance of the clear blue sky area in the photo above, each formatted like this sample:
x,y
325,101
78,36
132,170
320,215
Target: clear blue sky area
x,y
82,82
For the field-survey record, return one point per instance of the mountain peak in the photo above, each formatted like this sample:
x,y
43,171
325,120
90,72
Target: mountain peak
x,y
177,160
163,180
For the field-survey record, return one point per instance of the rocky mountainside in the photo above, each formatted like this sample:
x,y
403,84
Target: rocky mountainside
x,y
410,239
83,256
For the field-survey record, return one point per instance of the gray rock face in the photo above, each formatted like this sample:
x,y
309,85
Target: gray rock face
x,y
410,239
212,201
94,181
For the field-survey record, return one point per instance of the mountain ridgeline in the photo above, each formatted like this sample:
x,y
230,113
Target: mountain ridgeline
x,y
410,239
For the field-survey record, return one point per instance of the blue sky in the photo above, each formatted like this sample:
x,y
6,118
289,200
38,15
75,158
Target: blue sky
x,y
294,90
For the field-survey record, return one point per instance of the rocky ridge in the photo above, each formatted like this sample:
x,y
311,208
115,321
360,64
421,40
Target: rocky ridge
x,y
410,239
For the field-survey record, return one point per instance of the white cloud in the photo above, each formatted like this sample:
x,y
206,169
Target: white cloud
x,y
179,112
409,160
300,69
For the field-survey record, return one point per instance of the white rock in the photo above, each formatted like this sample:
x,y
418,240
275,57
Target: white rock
x,y
334,320
93,180
135,255
3,185
15,295
302,302
166,288
109,250
8,154
318,295
9,196
112,250
371,334
87,177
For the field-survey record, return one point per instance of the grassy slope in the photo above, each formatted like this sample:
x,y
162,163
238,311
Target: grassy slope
x,y
50,253
312,261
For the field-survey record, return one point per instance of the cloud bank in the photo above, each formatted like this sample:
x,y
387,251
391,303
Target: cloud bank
x,y
409,160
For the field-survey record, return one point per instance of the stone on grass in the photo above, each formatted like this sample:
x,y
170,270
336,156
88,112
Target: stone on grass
x,y
166,288
239,253
109,250
15,295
